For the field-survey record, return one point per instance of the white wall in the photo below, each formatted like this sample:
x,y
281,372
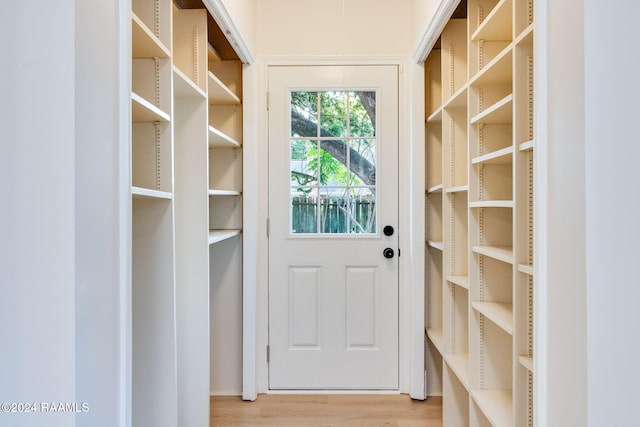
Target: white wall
x,y
59,301
103,205
37,250
560,258
226,317
333,27
612,206
422,14
244,16
587,346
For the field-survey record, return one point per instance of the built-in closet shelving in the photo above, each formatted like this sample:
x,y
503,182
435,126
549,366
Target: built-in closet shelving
x,y
479,208
176,175
225,143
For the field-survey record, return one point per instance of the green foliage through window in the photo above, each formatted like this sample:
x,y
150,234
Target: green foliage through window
x,y
333,159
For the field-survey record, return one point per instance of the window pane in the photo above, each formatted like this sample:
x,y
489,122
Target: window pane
x,y
304,114
333,114
362,211
304,162
363,162
362,116
333,210
304,212
333,160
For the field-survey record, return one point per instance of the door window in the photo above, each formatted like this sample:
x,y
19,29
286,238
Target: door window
x,y
333,162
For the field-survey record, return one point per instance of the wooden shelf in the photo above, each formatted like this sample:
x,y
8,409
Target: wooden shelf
x,y
459,364
462,281
175,234
144,44
498,71
216,236
435,189
139,192
527,362
526,269
212,55
498,157
526,146
501,253
144,111
492,204
184,87
224,193
436,116
497,406
460,189
499,113
486,60
436,245
499,313
219,139
457,100
497,25
219,93
525,37
437,338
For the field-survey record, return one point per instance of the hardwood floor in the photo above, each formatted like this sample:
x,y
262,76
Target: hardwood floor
x,y
326,411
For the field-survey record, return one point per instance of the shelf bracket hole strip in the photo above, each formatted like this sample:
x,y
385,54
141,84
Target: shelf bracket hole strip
x,y
481,350
530,207
530,316
452,235
452,151
156,18
530,95
196,51
429,290
158,157
451,69
452,317
157,82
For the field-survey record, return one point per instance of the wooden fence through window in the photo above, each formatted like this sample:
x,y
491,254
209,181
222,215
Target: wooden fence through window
x,y
333,214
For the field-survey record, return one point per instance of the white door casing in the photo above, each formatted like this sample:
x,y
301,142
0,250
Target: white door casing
x,y
333,298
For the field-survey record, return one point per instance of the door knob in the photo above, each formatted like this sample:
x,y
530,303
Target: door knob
x,y
388,230
388,253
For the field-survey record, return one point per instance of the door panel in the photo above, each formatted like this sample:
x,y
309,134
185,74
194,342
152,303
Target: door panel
x,y
304,309
333,186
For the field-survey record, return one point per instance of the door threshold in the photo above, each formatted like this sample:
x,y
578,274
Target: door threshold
x,y
330,391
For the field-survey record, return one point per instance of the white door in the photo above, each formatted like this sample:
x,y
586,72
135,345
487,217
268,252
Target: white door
x,y
333,242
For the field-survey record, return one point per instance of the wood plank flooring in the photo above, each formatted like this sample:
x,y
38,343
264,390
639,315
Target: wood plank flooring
x,y
326,411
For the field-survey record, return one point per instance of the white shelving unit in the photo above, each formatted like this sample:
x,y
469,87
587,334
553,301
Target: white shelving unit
x,y
155,388
224,96
173,136
225,146
479,206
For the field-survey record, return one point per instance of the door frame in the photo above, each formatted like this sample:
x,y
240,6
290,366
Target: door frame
x,y
411,226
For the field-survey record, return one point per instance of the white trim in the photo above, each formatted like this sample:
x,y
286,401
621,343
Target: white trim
x,y
416,233
125,313
540,226
223,18
225,393
251,214
302,60
434,29
255,195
